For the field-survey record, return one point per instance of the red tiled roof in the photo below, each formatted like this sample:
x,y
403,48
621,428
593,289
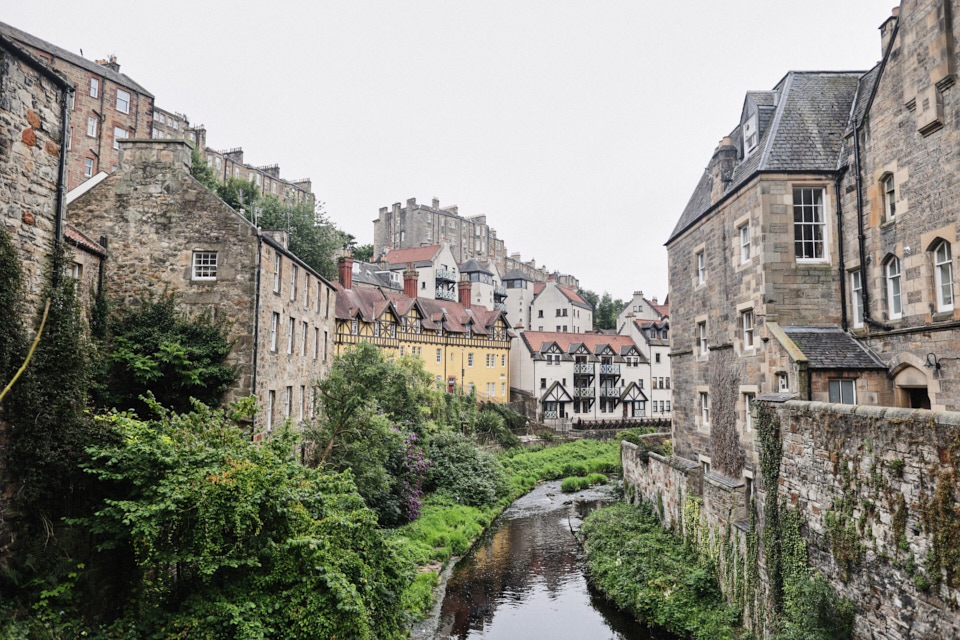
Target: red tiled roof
x,y
413,254
536,339
662,309
74,236
571,294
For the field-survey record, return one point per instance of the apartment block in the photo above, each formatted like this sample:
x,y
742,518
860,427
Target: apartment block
x,y
229,163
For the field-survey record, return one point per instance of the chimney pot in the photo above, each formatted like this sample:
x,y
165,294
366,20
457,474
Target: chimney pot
x,y
410,277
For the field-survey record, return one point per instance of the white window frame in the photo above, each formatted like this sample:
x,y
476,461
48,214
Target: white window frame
x,y
889,189
843,390
745,243
94,87
87,167
288,404
294,276
705,408
470,359
747,398
277,267
204,265
747,328
274,330
701,268
271,402
92,124
303,344
316,343
892,275
943,276
123,101
856,297
439,356
812,231
702,338
119,133
783,383
291,334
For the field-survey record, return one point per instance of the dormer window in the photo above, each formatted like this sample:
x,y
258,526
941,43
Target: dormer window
x,y
751,135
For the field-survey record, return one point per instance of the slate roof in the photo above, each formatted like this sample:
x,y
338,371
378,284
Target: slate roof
x,y
804,134
367,273
643,325
425,253
473,266
516,274
833,348
30,40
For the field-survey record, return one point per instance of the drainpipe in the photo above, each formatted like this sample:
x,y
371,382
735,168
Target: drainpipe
x,y
843,271
61,187
864,289
256,323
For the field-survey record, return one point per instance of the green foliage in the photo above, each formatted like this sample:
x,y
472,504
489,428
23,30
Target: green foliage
x,y
771,452
597,478
814,612
157,348
571,484
242,195
234,539
363,252
498,423
896,467
13,338
418,598
313,237
653,575
203,172
444,528
596,456
464,472
605,308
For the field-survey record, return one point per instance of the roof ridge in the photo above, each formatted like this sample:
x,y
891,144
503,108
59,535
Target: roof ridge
x,y
775,124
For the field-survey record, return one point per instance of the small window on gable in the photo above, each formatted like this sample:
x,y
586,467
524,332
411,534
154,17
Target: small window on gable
x,y
204,265
889,198
751,135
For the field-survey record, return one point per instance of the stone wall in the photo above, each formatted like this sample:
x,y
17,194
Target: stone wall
x,y
658,480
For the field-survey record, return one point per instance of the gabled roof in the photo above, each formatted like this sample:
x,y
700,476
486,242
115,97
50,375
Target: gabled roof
x,y
368,274
425,253
804,134
556,393
570,294
570,342
78,239
833,348
474,266
114,76
516,274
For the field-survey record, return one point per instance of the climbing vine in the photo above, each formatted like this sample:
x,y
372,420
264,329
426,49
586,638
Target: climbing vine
x,y
771,452
727,454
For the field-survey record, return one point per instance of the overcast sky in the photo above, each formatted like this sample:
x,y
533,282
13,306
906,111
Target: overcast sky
x,y
579,128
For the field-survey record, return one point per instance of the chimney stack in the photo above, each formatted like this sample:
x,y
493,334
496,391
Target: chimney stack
x,y
345,267
436,203
410,277
886,30
464,288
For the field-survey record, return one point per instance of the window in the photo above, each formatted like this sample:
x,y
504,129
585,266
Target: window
x,y
294,276
204,265
290,336
808,224
943,272
94,87
306,291
288,403
316,342
503,389
159,117
118,135
746,324
668,405
894,305
702,338
123,101
745,243
656,357
705,409
843,391
543,383
274,327
303,397
701,268
470,359
783,383
271,401
540,313
324,345
889,198
856,291
87,167
91,126
747,418
439,356
303,343
219,163
503,360
276,273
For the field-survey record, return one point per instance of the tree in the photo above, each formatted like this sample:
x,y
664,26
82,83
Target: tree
x,y
605,308
313,237
203,172
242,195
363,252
156,347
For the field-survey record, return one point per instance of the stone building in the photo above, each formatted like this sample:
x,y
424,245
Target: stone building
x,y
107,106
229,163
166,231
575,378
34,133
173,125
465,346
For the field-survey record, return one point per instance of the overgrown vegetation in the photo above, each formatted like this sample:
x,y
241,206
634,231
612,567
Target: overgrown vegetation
x,y
605,308
727,452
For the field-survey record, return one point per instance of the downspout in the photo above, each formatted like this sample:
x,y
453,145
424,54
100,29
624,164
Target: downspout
x,y
256,323
864,289
61,187
103,243
843,270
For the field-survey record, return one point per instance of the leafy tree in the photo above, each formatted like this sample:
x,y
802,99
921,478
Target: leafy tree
x,y
363,252
313,237
203,172
232,539
242,195
156,347
605,308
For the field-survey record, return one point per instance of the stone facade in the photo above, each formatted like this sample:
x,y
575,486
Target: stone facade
x,y
163,228
229,164
868,485
107,106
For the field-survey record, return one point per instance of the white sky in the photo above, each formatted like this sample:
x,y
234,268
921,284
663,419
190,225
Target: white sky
x,y
579,128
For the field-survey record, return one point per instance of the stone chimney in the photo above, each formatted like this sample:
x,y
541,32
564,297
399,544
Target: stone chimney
x,y
396,209
886,30
345,268
411,204
721,167
653,299
410,277
110,63
464,288
436,203
159,155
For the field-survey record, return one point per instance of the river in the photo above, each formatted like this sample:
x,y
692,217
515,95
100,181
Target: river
x,y
524,579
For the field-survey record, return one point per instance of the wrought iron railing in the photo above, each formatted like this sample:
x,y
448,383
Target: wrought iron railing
x,y
446,274
610,369
446,294
583,392
583,368
609,392
500,292
550,415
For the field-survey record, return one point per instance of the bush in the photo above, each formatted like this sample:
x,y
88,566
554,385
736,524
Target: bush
x,y
597,478
570,485
575,469
463,471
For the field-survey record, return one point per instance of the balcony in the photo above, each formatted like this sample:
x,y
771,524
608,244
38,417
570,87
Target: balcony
x,y
499,292
584,392
609,369
609,392
446,275
446,294
585,369
550,415
501,306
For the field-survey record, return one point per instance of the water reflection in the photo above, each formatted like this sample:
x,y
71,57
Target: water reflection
x,y
524,580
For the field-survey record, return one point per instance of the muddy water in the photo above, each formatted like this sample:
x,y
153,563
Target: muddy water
x,y
524,580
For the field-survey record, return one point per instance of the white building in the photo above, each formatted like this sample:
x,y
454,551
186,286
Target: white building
x,y
576,377
648,324
486,285
639,308
436,267
552,307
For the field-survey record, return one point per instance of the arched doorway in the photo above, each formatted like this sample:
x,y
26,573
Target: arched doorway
x,y
911,388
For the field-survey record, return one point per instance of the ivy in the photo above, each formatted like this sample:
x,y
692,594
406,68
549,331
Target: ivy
x,y
771,452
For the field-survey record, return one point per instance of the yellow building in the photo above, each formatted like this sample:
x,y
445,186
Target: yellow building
x,y
465,347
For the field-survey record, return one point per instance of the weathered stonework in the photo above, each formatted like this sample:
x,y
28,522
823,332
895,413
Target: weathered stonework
x,y
156,217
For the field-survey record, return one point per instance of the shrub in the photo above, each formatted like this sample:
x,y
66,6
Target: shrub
x,y
570,485
575,469
597,478
461,470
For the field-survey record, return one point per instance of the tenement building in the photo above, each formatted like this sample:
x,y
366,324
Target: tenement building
x,y
466,347
229,164
106,106
165,231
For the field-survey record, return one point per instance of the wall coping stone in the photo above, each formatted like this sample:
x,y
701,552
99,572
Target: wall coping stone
x,y
871,412
743,525
681,463
722,481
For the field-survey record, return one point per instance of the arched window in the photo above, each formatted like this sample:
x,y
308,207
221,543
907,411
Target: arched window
x,y
892,274
889,197
943,274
